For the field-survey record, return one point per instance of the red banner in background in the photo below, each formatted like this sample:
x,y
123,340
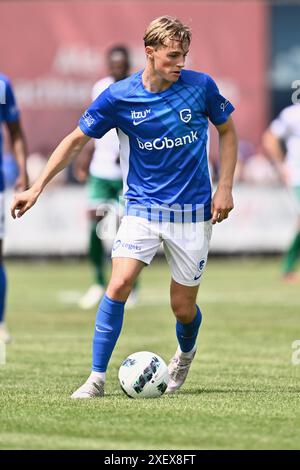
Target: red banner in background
x,y
55,51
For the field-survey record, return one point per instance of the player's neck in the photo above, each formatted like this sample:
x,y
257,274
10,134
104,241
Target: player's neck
x,y
153,82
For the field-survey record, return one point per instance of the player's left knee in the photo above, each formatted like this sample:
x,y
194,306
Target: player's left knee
x,y
183,312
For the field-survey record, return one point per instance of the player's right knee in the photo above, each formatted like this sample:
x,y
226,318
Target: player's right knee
x,y
119,288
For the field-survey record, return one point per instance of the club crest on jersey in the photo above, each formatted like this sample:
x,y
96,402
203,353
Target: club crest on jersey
x,y
185,115
139,116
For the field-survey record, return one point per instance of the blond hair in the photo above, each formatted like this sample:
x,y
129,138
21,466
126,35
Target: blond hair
x,y
166,27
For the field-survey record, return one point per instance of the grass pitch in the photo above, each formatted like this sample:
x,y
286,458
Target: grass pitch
x,y
242,391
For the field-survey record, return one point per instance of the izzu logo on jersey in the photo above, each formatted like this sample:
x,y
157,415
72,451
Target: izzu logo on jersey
x,y
185,115
88,119
140,116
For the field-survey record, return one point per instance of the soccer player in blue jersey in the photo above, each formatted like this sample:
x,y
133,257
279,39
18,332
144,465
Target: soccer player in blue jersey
x,y
9,115
161,114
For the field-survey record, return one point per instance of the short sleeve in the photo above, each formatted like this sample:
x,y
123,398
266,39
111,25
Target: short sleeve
x,y
10,110
100,117
218,108
279,127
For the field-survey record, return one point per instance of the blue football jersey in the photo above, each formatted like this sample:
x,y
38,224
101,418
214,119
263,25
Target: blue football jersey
x,y
163,143
8,113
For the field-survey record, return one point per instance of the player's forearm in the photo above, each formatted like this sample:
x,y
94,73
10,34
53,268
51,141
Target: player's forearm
x,y
63,155
18,144
20,151
273,147
228,158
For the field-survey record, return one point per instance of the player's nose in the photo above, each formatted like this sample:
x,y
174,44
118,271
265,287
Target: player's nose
x,y
181,62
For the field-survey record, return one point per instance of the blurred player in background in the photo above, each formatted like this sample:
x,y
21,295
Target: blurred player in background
x,y
162,115
9,115
102,168
284,133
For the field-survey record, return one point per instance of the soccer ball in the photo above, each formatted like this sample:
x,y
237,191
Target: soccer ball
x,y
143,375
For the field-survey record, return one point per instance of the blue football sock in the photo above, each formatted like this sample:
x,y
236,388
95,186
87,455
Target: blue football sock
x,y
2,291
187,333
108,326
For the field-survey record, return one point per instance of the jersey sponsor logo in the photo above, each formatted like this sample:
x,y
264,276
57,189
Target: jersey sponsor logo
x,y
185,115
88,119
200,269
140,116
167,142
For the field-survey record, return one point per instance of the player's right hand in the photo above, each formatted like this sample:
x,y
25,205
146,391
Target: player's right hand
x,y
22,202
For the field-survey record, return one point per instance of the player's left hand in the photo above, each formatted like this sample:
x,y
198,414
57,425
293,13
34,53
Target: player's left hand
x,y
222,204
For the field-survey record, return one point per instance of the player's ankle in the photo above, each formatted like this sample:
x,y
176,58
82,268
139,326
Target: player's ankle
x,y
187,354
97,377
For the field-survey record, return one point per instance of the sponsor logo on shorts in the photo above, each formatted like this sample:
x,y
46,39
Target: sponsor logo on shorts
x,y
200,269
116,245
128,246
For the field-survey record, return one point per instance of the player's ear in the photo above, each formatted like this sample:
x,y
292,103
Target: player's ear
x,y
149,52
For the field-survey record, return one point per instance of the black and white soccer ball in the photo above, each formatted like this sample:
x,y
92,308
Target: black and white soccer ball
x,y
144,375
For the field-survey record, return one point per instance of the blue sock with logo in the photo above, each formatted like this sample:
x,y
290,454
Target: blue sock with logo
x,y
108,326
187,333
2,291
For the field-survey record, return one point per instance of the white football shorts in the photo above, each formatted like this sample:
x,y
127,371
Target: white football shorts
x,y
185,245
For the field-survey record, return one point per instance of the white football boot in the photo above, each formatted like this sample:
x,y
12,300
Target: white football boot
x,y
178,369
92,297
4,334
89,390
